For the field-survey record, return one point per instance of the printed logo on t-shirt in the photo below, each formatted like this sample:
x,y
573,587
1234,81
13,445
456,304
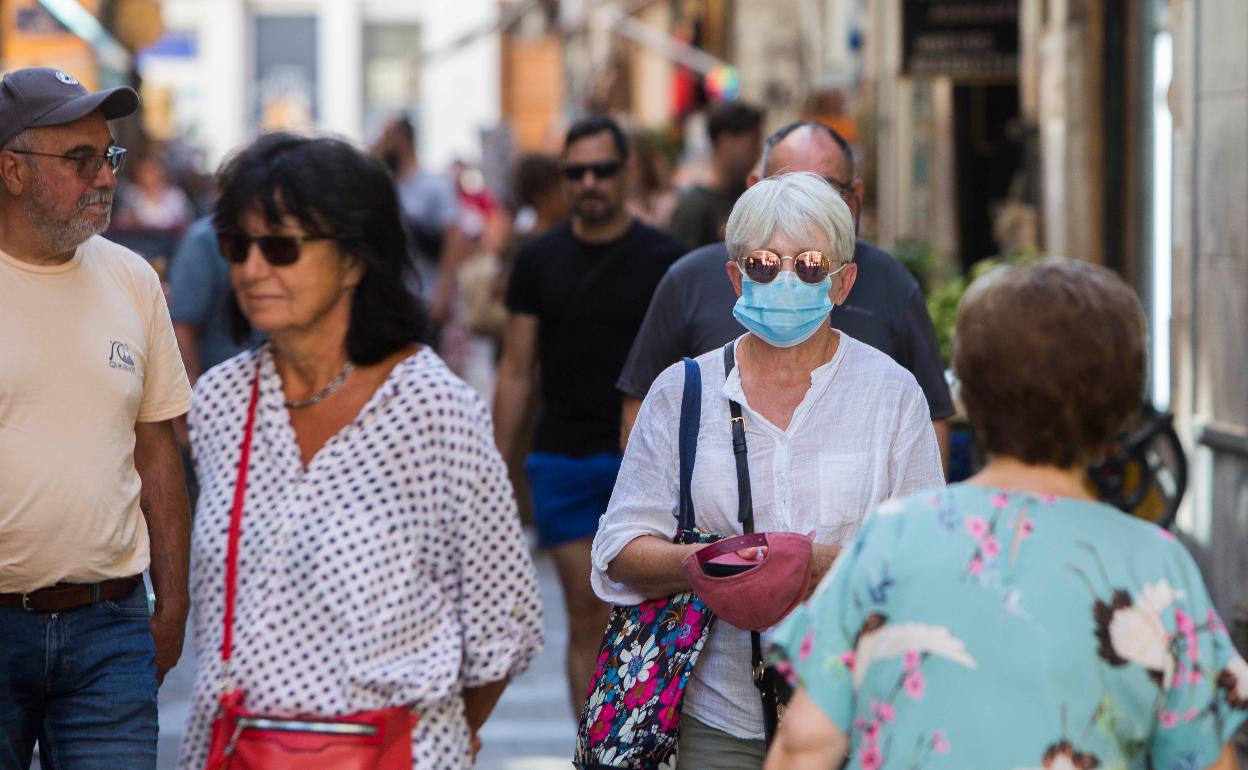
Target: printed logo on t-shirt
x,y
119,357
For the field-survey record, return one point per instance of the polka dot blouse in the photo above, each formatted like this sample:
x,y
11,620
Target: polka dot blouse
x,y
392,570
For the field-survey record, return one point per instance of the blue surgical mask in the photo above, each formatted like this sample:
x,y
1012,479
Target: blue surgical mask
x,y
785,311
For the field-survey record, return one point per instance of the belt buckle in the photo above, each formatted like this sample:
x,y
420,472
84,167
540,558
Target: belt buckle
x,y
26,603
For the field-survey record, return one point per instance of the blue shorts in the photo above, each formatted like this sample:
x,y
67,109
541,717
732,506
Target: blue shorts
x,y
569,494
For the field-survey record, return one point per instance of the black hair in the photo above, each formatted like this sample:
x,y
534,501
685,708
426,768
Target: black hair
x,y
536,175
732,118
596,124
403,124
779,134
331,188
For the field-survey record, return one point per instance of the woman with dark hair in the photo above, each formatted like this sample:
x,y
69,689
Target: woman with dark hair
x,y
377,561
1013,621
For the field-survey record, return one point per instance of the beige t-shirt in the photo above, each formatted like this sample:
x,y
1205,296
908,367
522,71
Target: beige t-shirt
x,y
86,351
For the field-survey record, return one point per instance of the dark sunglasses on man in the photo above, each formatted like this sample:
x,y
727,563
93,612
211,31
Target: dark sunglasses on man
x,y
277,250
86,166
575,172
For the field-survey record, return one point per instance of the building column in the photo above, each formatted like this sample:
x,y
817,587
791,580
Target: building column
x,y
340,68
227,56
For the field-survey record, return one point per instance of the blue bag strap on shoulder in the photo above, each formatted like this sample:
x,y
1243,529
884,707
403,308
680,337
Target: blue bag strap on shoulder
x,y
690,417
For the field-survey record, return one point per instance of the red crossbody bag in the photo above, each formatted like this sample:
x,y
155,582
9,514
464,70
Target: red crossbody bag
x,y
246,740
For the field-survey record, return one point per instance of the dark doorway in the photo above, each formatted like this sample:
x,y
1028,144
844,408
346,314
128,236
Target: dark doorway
x,y
988,155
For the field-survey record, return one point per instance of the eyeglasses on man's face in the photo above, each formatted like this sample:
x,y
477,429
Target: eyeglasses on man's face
x,y
87,165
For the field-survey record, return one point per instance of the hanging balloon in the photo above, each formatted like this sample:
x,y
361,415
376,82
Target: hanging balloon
x,y
723,84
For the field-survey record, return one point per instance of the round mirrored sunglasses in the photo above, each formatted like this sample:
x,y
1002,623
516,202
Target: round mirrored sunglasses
x,y
811,266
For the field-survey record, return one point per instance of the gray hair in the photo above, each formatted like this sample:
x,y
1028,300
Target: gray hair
x,y
24,141
797,205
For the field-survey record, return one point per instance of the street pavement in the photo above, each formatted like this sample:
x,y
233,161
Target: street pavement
x,y
531,728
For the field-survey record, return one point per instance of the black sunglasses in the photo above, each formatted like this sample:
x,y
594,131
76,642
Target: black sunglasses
x,y
576,171
277,250
87,166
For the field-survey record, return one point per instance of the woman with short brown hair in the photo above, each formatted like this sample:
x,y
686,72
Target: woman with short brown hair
x,y
1013,621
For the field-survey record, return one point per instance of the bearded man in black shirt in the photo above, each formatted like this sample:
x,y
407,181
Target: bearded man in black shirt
x,y
576,299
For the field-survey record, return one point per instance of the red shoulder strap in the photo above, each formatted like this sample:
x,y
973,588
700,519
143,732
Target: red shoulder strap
x,y
236,519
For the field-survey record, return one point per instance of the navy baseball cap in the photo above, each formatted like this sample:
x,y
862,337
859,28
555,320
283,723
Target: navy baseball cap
x,y
43,96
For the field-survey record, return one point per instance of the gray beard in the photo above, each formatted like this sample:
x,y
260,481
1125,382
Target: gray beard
x,y
60,236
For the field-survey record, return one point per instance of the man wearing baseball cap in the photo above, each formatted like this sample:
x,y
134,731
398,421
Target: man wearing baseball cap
x,y
91,487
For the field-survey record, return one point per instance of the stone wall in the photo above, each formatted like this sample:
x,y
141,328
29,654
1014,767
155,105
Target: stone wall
x,y
1210,304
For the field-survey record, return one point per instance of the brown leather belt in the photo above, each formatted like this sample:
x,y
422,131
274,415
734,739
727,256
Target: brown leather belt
x,y
70,596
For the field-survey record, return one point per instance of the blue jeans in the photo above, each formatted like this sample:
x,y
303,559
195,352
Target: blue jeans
x,y
82,683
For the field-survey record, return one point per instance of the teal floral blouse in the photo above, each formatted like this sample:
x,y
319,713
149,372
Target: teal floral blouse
x,y
976,628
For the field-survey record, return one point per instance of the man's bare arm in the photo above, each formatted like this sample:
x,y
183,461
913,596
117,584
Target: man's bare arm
x,y
165,507
516,369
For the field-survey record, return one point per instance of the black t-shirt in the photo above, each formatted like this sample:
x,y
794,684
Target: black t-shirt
x,y
700,215
589,300
691,313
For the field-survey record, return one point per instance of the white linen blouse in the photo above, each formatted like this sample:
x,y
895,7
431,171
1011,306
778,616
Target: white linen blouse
x,y
390,571
861,435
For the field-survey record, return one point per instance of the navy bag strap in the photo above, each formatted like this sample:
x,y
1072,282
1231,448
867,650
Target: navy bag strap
x,y
690,417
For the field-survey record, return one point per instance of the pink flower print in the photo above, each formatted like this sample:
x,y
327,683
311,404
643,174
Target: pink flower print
x,y
860,724
991,547
669,711
976,526
785,669
1214,622
1183,622
887,713
808,644
1168,718
870,757
601,728
1167,534
1048,499
940,744
642,693
912,660
1028,526
1195,677
1000,500
915,684
1191,714
847,658
690,630
977,566
872,734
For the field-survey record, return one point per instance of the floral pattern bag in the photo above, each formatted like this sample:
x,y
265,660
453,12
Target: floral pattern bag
x,y
632,717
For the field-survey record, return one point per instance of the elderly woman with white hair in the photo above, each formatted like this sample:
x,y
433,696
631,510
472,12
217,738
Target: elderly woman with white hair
x,y
832,428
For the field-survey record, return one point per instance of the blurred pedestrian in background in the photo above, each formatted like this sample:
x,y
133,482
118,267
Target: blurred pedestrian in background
x,y
735,130
576,298
380,562
430,206
150,200
1013,621
199,290
651,198
833,427
691,312
92,493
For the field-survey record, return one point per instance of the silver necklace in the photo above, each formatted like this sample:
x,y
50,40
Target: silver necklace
x,y
333,385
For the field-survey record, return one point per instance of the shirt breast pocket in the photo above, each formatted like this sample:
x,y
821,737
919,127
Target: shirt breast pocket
x,y
844,495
